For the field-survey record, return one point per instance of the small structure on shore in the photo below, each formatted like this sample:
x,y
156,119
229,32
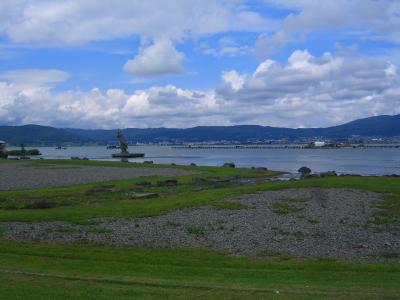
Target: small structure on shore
x,y
123,145
3,152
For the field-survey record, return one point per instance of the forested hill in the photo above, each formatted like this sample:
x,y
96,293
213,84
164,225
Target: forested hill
x,y
379,126
40,136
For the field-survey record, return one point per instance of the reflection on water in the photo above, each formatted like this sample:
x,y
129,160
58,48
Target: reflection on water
x,y
356,161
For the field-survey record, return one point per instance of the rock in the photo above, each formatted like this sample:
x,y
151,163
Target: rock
x,y
135,195
304,170
100,190
144,184
78,158
263,169
388,244
220,179
167,182
309,176
229,165
328,174
148,162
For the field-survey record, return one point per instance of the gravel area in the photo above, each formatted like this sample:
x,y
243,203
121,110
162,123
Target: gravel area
x,y
23,175
309,223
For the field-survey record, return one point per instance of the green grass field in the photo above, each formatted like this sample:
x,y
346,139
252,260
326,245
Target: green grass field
x,y
83,272
46,271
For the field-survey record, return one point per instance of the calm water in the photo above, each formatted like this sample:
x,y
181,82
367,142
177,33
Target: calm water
x,y
356,161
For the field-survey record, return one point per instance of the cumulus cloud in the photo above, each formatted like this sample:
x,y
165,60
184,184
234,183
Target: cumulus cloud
x,y
306,91
158,59
234,80
153,107
76,22
367,19
314,91
80,21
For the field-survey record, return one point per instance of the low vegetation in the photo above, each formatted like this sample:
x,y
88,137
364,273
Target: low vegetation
x,y
78,203
284,208
45,271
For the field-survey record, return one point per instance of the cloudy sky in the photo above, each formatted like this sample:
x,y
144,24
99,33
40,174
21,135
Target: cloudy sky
x,y
183,63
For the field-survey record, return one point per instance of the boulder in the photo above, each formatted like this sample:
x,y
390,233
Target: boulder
x,y
262,169
328,174
79,158
135,195
229,165
144,184
304,170
167,182
310,176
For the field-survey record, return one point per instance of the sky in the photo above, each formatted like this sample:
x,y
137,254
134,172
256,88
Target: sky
x,y
185,63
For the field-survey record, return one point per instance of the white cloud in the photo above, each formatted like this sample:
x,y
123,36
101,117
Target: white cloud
x,y
306,91
264,67
34,77
158,59
76,22
81,21
391,70
225,46
367,19
315,91
234,80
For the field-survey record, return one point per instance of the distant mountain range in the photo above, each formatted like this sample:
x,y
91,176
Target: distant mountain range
x,y
379,126
40,136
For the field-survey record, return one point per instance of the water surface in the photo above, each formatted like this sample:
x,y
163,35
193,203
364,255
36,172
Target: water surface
x,y
356,161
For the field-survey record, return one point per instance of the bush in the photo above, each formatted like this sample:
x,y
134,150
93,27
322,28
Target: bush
x,y
24,152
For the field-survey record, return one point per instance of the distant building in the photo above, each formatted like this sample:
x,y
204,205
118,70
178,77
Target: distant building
x,y
318,144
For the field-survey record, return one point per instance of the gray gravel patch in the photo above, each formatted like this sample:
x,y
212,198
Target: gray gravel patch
x,y
22,175
321,223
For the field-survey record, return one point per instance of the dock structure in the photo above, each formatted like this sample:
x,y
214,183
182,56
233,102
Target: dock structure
x,y
291,146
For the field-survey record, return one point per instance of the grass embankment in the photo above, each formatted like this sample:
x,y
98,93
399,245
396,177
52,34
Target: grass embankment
x,y
77,272
77,203
33,271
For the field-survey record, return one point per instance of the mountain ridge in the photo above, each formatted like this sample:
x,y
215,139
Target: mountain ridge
x,y
377,126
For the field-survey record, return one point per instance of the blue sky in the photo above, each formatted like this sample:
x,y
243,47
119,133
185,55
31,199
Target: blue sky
x,y
183,63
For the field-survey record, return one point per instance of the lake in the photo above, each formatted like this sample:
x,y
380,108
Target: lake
x,y
364,161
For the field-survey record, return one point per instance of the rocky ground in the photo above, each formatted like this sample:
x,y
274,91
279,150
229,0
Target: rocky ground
x,y
309,222
24,175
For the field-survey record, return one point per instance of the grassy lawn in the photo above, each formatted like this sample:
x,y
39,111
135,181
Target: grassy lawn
x,y
44,271
32,271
